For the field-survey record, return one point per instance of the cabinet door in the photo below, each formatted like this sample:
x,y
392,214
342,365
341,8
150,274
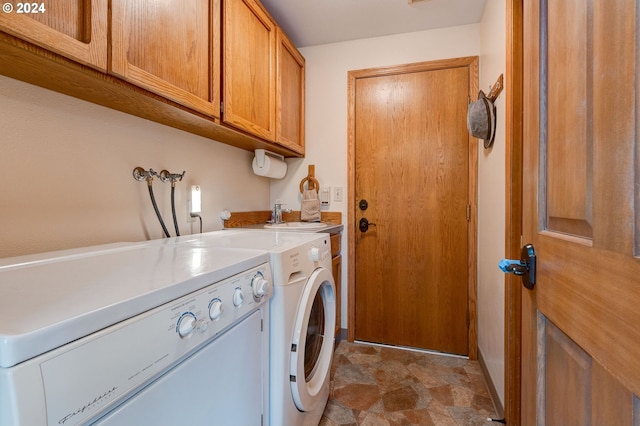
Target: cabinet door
x,y
249,65
76,29
336,264
171,48
290,98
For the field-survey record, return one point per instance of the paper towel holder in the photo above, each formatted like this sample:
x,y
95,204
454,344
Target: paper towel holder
x,y
269,164
261,153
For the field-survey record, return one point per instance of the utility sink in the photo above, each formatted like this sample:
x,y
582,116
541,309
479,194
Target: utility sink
x,y
297,226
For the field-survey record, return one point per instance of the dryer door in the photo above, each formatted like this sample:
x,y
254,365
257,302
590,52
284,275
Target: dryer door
x,y
313,339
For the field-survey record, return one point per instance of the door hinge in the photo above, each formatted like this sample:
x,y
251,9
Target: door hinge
x,y
468,212
221,107
468,319
261,325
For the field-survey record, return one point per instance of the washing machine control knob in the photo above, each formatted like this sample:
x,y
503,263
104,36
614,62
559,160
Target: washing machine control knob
x,y
186,324
202,326
238,297
215,308
260,286
315,254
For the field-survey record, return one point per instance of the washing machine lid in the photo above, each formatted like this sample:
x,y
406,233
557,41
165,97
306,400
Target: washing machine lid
x,y
309,393
54,298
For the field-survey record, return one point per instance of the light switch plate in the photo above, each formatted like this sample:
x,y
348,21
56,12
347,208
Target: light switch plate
x,y
337,193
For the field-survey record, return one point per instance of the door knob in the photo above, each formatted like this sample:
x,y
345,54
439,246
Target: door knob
x,y
364,224
525,267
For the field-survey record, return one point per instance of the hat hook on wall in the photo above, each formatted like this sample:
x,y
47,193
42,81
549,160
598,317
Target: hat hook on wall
x,y
481,114
496,89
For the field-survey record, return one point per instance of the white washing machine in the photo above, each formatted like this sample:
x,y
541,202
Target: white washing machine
x,y
303,311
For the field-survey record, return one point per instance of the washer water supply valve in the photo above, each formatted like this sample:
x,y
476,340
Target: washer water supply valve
x,y
165,177
141,174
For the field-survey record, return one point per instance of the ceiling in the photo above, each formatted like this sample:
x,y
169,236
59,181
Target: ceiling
x,y
314,22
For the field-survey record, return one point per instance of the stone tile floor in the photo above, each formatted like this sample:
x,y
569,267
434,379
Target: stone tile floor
x,y
375,385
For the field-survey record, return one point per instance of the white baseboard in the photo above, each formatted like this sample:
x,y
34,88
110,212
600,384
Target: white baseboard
x,y
492,388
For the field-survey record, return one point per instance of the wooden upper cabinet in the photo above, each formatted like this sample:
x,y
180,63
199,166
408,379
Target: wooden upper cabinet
x,y
76,29
290,95
171,48
249,66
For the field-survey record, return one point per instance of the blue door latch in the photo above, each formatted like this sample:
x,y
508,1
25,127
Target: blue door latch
x,y
525,267
510,266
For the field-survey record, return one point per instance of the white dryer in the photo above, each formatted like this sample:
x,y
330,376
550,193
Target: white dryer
x,y
303,312
153,333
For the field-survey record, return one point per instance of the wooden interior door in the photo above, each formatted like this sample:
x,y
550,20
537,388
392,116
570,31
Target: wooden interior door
x,y
581,334
413,158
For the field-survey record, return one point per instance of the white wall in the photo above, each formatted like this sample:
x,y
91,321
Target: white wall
x,y
491,202
326,132
67,179
326,105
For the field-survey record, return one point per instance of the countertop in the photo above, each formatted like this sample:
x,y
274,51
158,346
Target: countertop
x,y
257,220
331,228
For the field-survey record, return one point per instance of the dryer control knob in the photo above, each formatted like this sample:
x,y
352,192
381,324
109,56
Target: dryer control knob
x,y
215,308
238,297
315,254
186,324
260,286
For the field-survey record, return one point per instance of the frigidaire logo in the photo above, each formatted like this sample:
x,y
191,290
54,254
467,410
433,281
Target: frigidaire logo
x,y
87,406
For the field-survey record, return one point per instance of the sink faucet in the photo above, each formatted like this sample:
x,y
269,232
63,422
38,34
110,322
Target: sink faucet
x,y
277,212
